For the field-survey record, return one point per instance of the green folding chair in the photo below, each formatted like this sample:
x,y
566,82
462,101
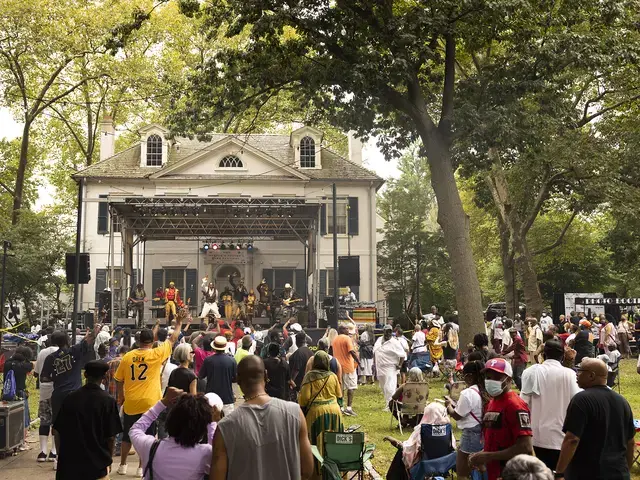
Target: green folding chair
x,y
343,453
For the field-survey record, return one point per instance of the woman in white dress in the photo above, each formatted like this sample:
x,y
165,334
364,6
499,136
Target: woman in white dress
x,y
365,369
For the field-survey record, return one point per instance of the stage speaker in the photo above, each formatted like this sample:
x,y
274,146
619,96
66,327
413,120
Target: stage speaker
x,y
349,271
85,268
11,425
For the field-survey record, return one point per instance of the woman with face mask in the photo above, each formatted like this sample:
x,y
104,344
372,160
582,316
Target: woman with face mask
x,y
507,424
467,412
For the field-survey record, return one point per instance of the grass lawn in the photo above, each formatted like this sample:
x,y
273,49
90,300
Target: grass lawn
x,y
368,403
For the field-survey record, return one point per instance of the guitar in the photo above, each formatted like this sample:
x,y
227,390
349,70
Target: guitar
x,y
287,303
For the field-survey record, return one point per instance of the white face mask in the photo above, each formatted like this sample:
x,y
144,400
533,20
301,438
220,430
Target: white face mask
x,y
493,387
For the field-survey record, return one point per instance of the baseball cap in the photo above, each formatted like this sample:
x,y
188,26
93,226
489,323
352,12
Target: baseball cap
x,y
387,327
146,336
96,368
499,365
219,343
247,331
214,400
296,327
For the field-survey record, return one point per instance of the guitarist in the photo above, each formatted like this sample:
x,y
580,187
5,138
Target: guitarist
x,y
289,299
138,298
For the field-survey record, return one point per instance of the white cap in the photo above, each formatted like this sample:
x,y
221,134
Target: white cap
x,y
296,327
214,400
287,285
247,330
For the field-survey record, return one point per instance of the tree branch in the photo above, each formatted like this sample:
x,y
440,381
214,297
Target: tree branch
x,y
71,129
8,189
560,238
540,199
449,83
587,119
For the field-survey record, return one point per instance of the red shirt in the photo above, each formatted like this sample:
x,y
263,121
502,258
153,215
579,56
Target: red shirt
x,y
520,353
563,338
506,418
199,355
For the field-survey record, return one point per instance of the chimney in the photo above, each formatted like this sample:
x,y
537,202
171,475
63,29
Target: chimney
x,y
355,149
107,137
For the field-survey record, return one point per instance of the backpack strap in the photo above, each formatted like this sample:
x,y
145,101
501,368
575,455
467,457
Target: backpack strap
x,y
152,453
470,412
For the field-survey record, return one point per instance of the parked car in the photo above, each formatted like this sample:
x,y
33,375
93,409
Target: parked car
x,y
500,309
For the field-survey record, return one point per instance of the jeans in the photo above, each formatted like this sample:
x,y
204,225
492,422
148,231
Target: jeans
x,y
518,368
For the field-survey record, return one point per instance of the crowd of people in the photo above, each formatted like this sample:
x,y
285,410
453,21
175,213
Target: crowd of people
x,y
172,395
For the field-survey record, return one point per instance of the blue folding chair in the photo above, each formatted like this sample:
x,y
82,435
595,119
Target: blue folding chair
x,y
438,456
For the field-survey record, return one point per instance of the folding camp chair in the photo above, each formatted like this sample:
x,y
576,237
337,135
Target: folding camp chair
x,y
438,455
414,400
343,453
613,377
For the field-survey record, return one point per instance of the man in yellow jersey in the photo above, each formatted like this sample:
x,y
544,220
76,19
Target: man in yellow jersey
x,y
138,378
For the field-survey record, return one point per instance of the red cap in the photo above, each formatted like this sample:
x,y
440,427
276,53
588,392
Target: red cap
x,y
499,365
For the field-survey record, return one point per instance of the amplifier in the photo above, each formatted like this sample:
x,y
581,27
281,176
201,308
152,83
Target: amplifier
x,y
11,425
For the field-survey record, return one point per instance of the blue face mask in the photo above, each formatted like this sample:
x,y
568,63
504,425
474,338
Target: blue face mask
x,y
493,387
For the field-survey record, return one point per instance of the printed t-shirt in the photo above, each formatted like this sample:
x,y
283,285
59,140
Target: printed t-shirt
x,y
140,372
506,418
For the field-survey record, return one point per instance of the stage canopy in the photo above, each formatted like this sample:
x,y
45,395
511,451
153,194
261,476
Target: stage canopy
x,y
212,218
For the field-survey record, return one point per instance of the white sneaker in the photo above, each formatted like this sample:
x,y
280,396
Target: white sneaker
x,y
349,411
139,472
55,465
122,469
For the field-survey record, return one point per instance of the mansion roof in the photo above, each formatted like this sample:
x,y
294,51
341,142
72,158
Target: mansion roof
x,y
277,148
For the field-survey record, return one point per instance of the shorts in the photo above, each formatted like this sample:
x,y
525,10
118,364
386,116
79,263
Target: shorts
x,y
349,381
45,413
56,404
471,440
128,422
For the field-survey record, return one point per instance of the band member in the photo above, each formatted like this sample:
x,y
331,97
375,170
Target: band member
x,y
289,299
251,303
171,298
349,297
264,298
239,297
210,293
137,300
227,300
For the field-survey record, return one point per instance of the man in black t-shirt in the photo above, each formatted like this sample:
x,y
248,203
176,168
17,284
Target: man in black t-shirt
x,y
278,373
599,431
298,361
220,371
87,425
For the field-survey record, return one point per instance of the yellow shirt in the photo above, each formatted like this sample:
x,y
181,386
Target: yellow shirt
x,y
140,371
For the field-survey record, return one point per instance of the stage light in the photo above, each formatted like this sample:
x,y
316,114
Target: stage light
x,y
249,247
239,246
223,246
205,247
214,246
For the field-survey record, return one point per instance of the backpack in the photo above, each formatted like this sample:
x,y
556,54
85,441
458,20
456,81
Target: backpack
x,y
9,387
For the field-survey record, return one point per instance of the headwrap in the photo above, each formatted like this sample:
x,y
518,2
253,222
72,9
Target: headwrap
x,y
320,368
434,414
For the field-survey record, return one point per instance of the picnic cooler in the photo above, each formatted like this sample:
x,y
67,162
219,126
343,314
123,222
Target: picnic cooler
x,y
11,424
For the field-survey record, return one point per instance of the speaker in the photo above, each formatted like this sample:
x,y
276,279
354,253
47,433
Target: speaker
x,y
85,268
11,425
349,271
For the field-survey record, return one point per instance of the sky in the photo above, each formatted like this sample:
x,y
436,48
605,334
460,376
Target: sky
x,y
372,158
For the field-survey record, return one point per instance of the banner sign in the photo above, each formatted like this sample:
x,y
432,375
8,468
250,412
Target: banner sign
x,y
220,257
607,301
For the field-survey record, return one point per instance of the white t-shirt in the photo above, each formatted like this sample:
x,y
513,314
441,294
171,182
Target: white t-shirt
x,y
405,344
418,345
46,388
545,323
506,341
548,388
613,356
470,402
168,368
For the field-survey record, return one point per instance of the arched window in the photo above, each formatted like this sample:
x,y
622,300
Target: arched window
x,y
231,161
154,151
307,153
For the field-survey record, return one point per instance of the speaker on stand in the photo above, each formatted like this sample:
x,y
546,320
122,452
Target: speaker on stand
x,y
349,271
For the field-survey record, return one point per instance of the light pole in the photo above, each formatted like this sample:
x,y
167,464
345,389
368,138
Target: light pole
x,y
6,245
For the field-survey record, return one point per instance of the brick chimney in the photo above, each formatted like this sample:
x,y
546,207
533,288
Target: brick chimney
x,y
107,137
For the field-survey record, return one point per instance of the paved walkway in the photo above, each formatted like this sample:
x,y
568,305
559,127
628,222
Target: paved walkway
x,y
24,466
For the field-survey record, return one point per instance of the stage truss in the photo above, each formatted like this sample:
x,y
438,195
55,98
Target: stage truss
x,y
212,218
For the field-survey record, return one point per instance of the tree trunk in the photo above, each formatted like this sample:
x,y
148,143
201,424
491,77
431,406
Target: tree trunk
x,y
532,295
455,225
508,267
22,168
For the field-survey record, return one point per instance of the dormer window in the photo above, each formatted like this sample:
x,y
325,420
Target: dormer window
x,y
307,153
231,161
154,151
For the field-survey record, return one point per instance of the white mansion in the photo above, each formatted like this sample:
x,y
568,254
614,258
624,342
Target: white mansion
x,y
271,172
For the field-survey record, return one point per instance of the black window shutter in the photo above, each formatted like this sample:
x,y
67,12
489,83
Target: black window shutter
x,y
191,286
299,283
323,284
134,279
156,283
323,219
101,283
353,216
103,216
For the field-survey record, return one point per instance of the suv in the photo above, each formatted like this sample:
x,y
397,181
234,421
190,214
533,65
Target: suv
x,y
500,309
